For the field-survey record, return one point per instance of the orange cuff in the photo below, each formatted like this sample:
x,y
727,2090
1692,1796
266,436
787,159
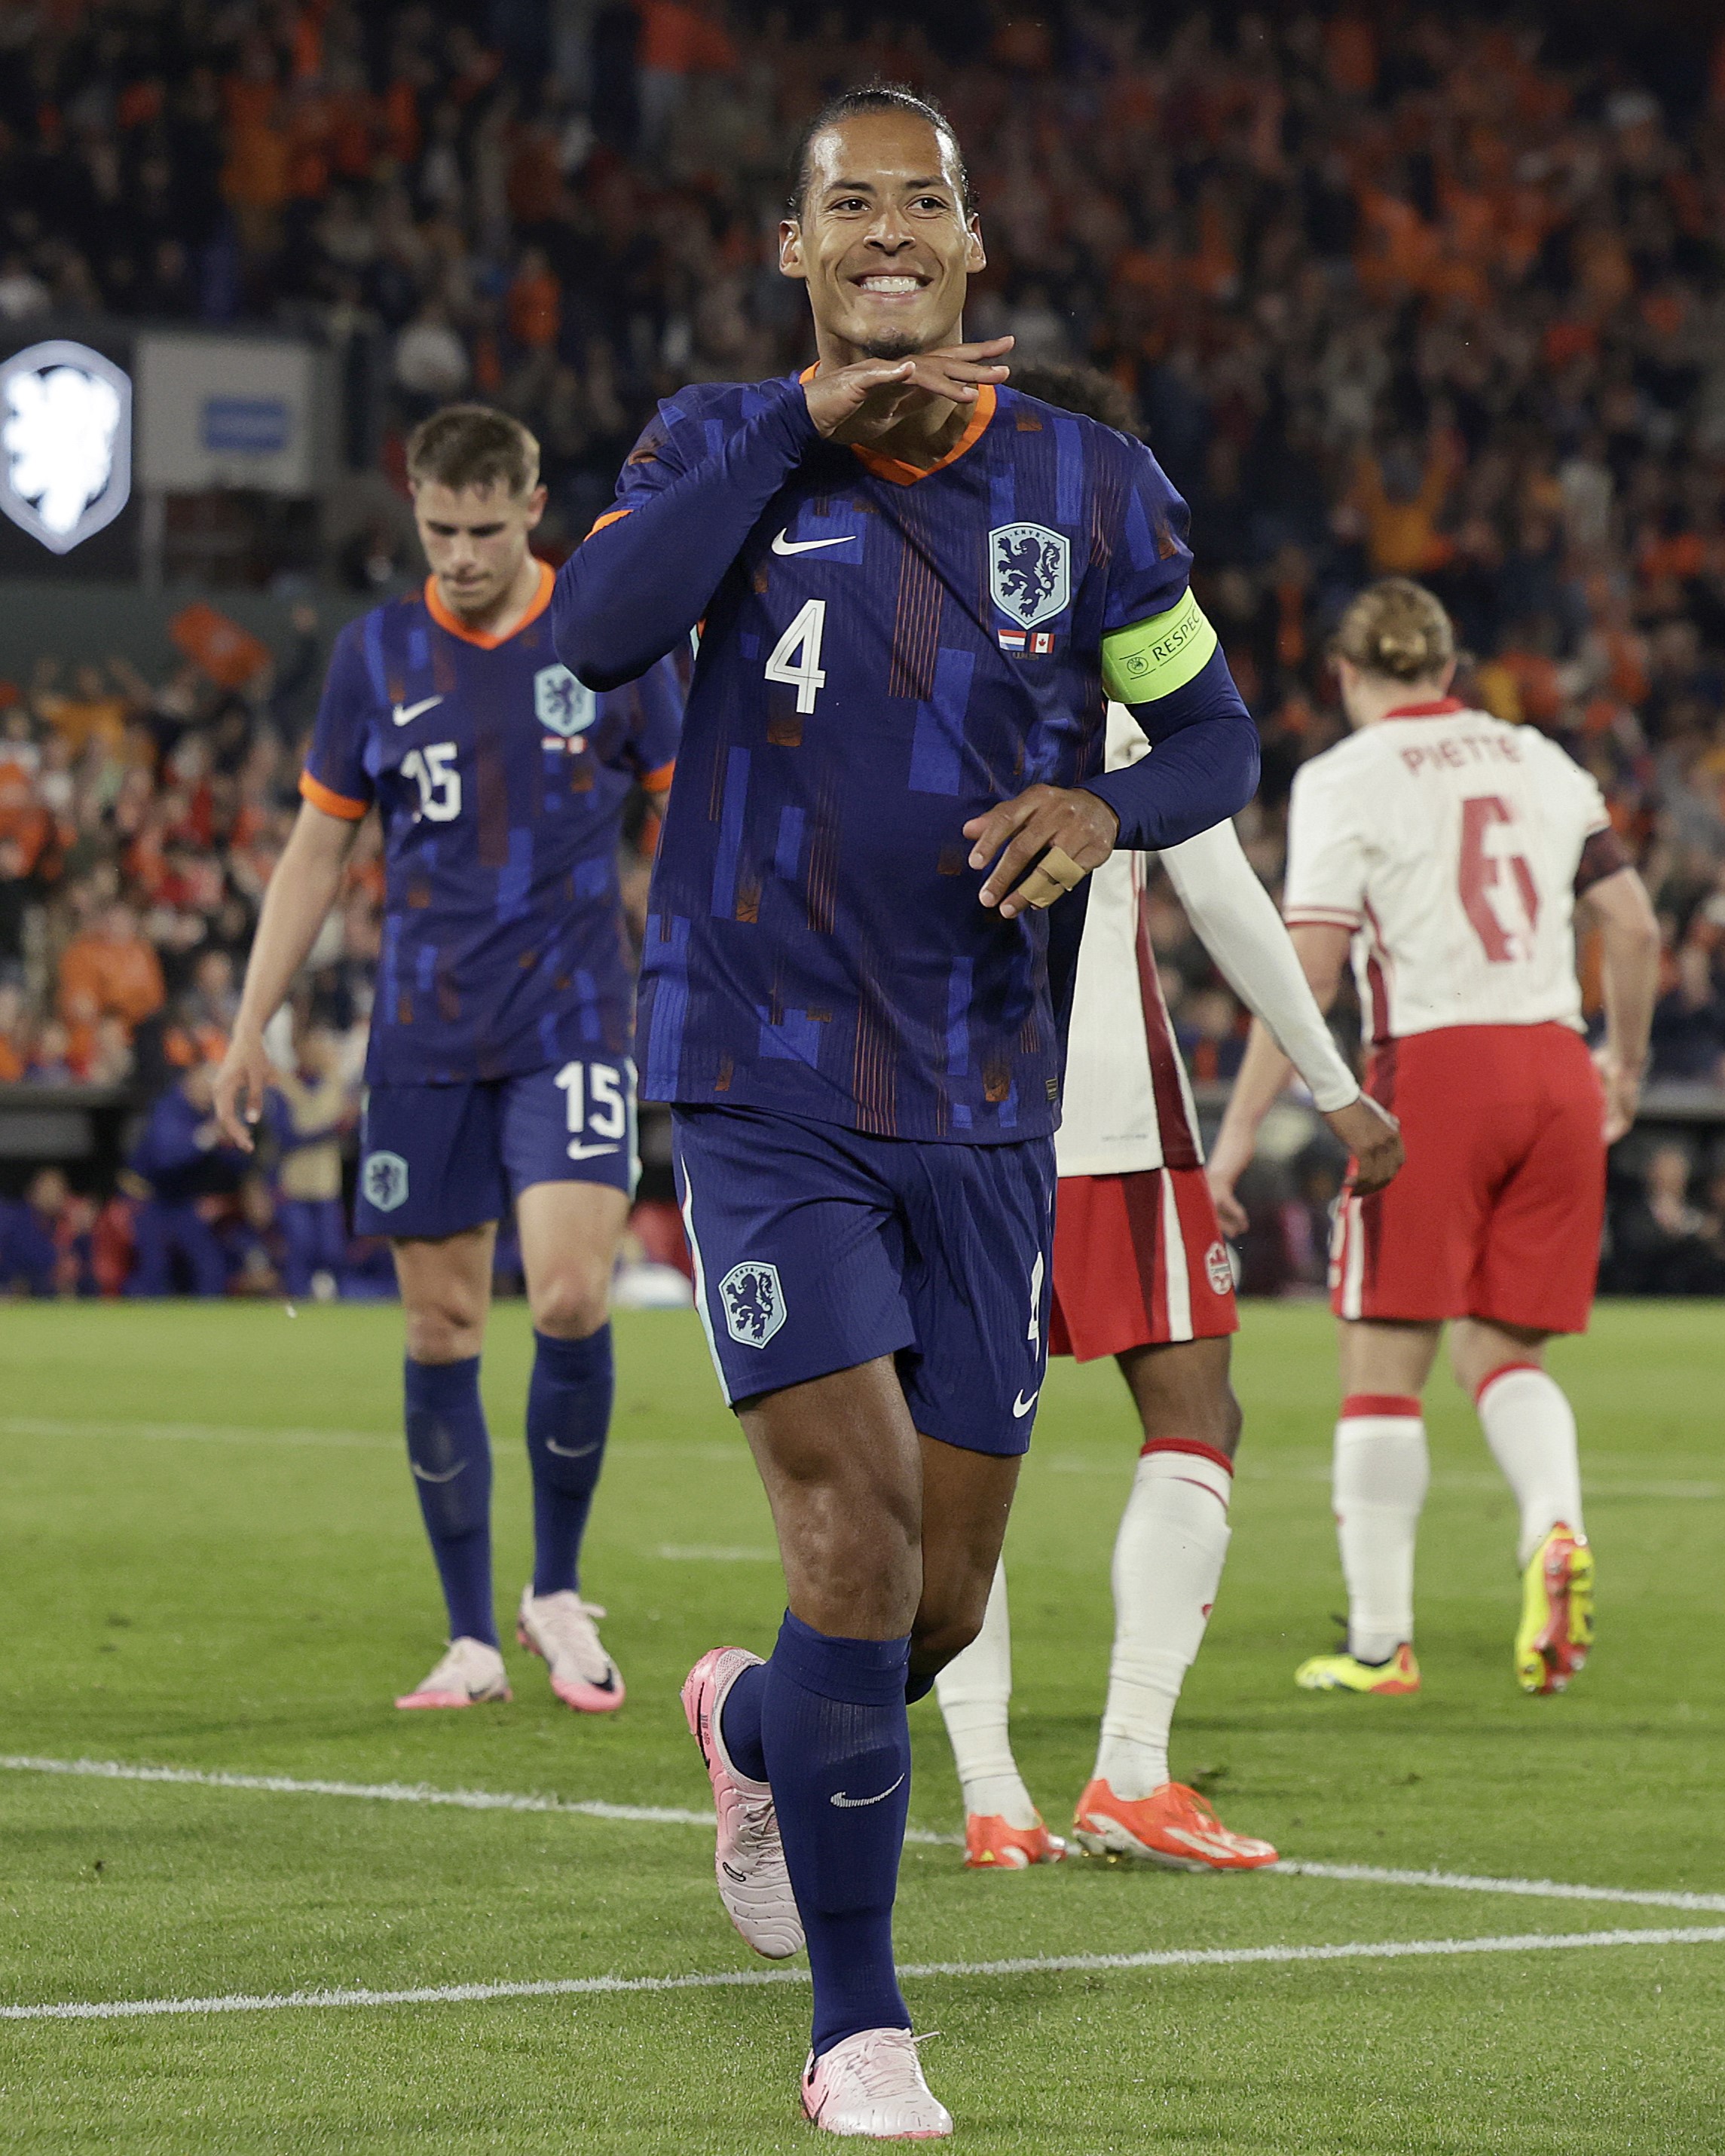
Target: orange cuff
x,y
331,802
610,516
658,782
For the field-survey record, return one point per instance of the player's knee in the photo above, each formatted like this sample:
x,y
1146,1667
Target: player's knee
x,y
941,1636
444,1329
571,1303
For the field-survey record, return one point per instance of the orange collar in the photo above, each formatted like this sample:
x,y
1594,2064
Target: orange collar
x,y
483,638
903,474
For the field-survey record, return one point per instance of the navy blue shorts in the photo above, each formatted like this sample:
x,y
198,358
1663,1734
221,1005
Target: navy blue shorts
x,y
435,1160
816,1249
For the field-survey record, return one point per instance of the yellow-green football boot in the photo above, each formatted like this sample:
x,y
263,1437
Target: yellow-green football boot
x,y
1557,1626
1341,1672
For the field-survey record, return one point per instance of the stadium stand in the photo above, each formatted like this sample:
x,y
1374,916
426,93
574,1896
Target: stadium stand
x,y
1450,302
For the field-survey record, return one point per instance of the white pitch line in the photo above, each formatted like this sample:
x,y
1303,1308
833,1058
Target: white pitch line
x,y
194,1433
1553,1890
499,1800
386,1793
111,2010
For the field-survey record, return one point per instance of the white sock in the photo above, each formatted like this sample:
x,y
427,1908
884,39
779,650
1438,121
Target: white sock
x,y
1380,1475
1168,1560
1530,1427
973,1690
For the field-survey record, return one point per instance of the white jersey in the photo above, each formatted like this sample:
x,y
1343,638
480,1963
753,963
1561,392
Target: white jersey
x,y
1127,1105
1447,843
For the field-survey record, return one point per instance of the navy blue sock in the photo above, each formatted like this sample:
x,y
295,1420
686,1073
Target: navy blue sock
x,y
450,1455
568,1414
838,1751
740,1722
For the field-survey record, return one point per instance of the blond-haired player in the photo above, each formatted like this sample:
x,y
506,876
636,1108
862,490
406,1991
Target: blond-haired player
x,y
1452,855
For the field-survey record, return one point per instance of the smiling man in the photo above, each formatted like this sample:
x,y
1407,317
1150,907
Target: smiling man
x,y
914,584
499,1067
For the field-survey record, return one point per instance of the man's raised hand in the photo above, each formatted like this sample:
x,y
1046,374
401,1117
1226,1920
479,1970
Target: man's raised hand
x,y
1058,834
868,398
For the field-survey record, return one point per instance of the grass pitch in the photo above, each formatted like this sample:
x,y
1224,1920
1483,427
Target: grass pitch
x,y
213,1562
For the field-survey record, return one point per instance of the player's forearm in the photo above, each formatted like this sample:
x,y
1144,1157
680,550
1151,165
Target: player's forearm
x,y
630,593
1263,1072
1238,924
1630,985
299,895
1205,769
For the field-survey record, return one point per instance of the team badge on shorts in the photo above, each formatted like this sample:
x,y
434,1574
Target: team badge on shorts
x,y
1029,572
754,1303
384,1181
562,704
1216,1265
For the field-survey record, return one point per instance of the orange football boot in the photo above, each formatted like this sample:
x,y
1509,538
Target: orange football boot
x,y
990,1845
1174,1827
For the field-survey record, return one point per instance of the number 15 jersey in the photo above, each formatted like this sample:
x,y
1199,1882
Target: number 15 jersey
x,y
500,782
893,652
1451,847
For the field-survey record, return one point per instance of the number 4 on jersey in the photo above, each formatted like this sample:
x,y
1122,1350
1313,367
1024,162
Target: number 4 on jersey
x,y
796,656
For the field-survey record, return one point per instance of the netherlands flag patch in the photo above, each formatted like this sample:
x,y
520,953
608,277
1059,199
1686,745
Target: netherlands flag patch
x,y
1013,640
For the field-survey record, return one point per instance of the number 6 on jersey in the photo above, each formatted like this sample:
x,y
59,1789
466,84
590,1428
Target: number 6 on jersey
x,y
802,672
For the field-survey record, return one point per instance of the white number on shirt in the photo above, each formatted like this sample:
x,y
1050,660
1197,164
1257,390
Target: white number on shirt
x,y
438,780
593,1100
1484,873
796,656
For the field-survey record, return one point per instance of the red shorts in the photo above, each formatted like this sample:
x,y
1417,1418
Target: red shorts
x,y
1139,1262
1498,1212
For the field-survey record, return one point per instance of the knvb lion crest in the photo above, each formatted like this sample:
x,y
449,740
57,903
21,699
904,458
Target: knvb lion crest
x,y
563,705
1029,572
384,1180
754,1303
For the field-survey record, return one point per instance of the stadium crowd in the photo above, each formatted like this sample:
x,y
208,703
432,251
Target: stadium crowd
x,y
1435,301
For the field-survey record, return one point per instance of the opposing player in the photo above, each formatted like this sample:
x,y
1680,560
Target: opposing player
x,y
914,584
1452,854
500,1063
1141,1273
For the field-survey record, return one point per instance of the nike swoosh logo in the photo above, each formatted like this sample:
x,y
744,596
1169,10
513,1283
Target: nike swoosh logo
x,y
426,1477
579,1151
857,1803
781,545
1022,1407
405,713
571,1451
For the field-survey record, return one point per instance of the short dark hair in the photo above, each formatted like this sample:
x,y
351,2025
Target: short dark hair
x,y
473,445
874,97
1082,389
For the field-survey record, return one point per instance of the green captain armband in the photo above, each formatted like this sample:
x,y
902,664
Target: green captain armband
x,y
1149,659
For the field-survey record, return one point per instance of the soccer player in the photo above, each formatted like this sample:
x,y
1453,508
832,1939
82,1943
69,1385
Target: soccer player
x,y
914,584
1141,1273
499,1066
1453,853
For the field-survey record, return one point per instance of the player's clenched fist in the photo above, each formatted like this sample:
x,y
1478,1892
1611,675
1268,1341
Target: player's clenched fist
x,y
1374,1138
861,402
1058,834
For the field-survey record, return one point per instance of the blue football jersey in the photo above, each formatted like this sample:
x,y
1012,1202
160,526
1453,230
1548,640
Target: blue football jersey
x,y
893,652
500,782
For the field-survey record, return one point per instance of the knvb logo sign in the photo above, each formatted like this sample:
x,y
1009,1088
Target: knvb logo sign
x,y
65,443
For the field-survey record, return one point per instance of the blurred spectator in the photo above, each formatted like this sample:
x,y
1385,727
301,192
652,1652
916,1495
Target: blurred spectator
x,y
1688,1039
45,1240
1661,1243
110,970
311,1108
180,1169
